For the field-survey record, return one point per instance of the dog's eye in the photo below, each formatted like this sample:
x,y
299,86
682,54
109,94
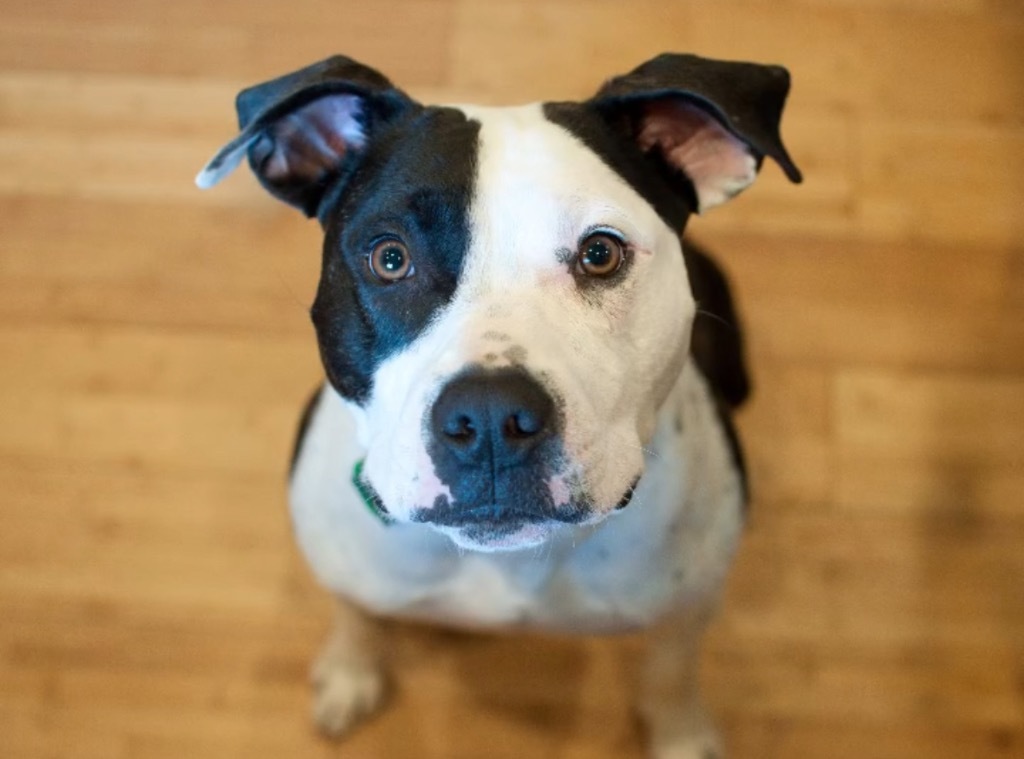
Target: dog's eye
x,y
600,255
390,260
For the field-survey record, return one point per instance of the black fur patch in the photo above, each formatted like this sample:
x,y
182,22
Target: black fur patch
x,y
669,192
300,434
717,344
733,439
415,182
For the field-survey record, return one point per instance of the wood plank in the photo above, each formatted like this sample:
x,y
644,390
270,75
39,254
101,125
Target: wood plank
x,y
811,299
192,435
947,184
111,362
247,43
138,261
155,349
934,418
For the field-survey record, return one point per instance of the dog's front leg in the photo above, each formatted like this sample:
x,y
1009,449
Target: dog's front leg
x,y
348,681
677,723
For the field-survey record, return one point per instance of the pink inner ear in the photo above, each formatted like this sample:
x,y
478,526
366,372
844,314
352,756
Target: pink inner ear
x,y
719,164
312,141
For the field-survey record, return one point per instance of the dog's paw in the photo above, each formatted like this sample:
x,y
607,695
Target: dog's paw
x,y
703,745
344,695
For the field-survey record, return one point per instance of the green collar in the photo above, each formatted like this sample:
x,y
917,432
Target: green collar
x,y
370,499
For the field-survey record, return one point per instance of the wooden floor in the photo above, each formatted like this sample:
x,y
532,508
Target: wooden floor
x,y
155,351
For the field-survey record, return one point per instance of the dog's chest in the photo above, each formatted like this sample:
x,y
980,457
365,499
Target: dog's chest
x,y
674,541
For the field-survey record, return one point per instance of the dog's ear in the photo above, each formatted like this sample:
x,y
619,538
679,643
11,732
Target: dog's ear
x,y
298,130
713,120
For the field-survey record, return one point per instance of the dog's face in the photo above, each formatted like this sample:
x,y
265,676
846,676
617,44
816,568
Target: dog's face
x,y
503,298
525,312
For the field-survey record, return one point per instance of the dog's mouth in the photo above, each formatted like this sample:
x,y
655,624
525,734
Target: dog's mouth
x,y
444,513
493,526
499,527
496,526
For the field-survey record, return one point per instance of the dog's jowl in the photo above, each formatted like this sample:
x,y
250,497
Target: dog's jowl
x,y
529,374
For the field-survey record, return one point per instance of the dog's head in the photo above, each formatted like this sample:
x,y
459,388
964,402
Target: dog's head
x,y
503,299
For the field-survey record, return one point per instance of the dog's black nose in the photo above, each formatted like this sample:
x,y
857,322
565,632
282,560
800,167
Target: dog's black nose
x,y
492,416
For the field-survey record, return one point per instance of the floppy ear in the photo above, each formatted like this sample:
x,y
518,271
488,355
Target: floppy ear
x,y
715,121
298,130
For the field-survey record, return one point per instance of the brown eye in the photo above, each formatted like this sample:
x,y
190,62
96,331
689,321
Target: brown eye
x,y
390,260
600,255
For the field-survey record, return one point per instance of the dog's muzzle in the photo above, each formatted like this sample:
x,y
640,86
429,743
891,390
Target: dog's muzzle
x,y
495,443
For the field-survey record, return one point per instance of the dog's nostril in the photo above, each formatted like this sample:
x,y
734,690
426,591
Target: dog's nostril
x,y
460,428
522,425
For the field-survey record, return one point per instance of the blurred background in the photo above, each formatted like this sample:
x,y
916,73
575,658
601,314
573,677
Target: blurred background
x,y
155,352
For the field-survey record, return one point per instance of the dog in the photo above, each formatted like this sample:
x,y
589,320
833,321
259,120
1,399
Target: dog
x,y
529,376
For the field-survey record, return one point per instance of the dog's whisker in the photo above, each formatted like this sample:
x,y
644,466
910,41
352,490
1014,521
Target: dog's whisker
x,y
619,440
716,317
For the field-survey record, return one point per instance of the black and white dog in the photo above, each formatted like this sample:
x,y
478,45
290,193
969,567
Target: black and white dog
x,y
518,347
